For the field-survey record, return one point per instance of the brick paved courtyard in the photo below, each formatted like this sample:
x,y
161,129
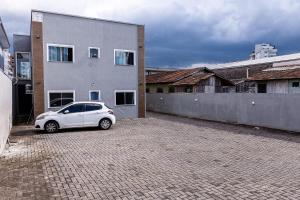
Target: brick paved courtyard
x,y
160,157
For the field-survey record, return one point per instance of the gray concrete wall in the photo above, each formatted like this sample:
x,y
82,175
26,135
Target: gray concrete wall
x,y
5,109
279,111
91,74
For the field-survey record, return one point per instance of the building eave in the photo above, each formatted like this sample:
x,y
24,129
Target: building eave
x,y
83,17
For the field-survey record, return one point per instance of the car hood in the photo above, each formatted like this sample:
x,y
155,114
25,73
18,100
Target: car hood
x,y
47,113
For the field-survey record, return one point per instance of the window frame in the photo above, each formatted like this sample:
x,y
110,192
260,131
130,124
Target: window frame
x,y
89,55
296,82
61,45
125,50
58,91
16,67
124,91
99,95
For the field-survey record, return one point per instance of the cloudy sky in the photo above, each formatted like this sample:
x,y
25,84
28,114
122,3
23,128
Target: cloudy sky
x,y
183,32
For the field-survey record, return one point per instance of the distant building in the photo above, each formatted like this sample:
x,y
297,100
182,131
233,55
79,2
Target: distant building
x,y
263,50
197,80
282,80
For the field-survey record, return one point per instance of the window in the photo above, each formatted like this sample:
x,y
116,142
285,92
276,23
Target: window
x,y
147,90
59,99
125,97
188,89
159,90
60,53
171,89
124,57
92,107
261,88
23,65
74,108
295,84
94,95
94,52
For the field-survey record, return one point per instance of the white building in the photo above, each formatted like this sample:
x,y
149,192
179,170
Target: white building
x,y
4,52
263,50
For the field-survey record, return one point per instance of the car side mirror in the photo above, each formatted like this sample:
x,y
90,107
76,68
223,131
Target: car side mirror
x,y
66,111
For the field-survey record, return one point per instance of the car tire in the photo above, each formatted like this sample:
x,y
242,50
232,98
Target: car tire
x,y
105,124
51,127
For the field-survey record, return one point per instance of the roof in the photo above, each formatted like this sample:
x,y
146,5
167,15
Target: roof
x,y
295,56
78,16
159,69
280,73
194,78
4,42
183,77
240,73
170,76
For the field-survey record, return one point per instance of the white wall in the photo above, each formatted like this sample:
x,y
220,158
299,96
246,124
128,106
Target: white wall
x,y
5,109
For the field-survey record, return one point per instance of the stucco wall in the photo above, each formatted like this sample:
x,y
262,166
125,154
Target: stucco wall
x,y
91,74
280,111
5,109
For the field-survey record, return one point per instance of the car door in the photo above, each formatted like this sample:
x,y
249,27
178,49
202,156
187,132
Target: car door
x,y
72,116
91,114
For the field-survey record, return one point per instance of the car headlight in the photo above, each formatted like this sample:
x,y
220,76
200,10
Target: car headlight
x,y
41,117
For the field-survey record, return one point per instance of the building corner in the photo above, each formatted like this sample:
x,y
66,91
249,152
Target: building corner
x,y
141,72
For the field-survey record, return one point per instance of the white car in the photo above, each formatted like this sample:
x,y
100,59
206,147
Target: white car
x,y
77,114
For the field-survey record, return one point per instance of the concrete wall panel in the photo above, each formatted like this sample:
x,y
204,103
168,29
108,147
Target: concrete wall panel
x,y
280,111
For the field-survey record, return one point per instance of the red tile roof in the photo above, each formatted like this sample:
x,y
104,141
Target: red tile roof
x,y
194,79
169,77
276,74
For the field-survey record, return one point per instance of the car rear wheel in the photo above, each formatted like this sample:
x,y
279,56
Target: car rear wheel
x,y
51,127
105,124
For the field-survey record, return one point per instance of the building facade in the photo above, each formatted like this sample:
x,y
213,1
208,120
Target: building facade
x,y
4,52
277,80
22,88
263,50
77,59
196,80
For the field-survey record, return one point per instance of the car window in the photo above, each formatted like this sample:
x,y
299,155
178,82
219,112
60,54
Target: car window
x,y
92,107
74,108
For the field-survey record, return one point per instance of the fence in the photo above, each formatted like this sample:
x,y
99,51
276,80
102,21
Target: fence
x,y
5,109
280,111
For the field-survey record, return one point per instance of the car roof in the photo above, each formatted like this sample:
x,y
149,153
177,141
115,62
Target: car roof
x,y
94,102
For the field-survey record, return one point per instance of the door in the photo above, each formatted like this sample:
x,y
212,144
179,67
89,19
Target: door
x,y
72,116
92,114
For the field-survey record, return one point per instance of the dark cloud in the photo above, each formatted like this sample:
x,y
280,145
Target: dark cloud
x,y
182,33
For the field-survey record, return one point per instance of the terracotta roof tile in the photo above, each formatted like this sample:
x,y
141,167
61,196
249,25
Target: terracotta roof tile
x,y
276,74
194,79
170,77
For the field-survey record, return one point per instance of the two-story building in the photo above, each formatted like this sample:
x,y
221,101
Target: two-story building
x,y
22,88
77,58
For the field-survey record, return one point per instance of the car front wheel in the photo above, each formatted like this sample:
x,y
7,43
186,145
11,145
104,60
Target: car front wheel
x,y
105,124
51,127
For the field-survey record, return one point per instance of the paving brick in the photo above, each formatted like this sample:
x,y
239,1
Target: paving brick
x,y
159,157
